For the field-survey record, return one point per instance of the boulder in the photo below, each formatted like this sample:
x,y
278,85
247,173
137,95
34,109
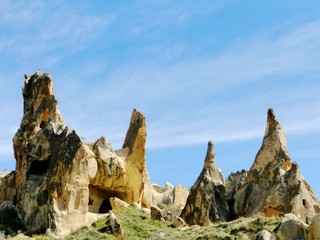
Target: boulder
x,y
313,231
265,235
291,228
161,215
207,200
116,227
116,202
274,184
178,222
156,213
60,182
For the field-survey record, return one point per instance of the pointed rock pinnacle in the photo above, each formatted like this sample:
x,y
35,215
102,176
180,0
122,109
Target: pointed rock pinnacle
x,y
137,123
274,185
207,200
210,160
271,119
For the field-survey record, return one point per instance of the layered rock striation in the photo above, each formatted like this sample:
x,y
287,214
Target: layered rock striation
x,y
274,185
207,201
60,182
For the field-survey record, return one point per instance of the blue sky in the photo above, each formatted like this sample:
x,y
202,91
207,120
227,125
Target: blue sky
x,y
198,70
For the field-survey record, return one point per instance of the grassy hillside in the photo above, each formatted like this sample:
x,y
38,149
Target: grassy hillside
x,y
138,225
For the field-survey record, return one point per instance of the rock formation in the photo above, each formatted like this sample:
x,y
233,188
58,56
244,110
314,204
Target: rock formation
x,y
207,201
274,184
293,228
313,230
265,235
169,194
7,187
234,182
60,182
116,227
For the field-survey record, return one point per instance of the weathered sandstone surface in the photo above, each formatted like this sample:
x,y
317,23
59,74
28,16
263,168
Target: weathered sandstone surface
x,y
60,182
274,185
207,201
169,194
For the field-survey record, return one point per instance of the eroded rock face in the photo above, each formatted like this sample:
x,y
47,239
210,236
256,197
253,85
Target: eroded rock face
x,y
116,227
169,194
291,228
207,200
234,182
265,235
8,190
60,182
313,231
274,183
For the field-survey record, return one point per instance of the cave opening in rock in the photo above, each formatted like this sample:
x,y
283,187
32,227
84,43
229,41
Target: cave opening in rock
x,y
105,206
42,124
304,202
99,198
39,167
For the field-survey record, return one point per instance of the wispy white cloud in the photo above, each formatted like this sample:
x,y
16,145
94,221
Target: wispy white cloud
x,y
189,102
194,85
39,27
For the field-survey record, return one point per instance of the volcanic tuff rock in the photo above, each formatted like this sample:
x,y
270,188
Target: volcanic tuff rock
x,y
235,181
207,200
170,194
60,182
313,231
274,184
265,235
116,227
291,228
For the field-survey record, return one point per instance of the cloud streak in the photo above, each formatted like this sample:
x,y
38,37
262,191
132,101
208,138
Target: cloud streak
x,y
205,92
216,96
38,28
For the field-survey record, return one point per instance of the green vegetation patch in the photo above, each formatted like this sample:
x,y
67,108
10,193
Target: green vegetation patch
x,y
137,224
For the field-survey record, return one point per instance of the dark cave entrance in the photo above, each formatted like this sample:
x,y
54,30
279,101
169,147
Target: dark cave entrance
x,y
105,206
99,198
39,167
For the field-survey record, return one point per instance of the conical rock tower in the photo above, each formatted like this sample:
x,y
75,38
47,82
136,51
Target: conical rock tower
x,y
207,201
274,183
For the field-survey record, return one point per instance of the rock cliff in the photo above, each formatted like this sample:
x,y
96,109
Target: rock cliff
x,y
274,184
207,201
60,182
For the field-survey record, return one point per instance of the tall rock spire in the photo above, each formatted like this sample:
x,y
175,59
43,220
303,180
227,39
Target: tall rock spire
x,y
274,184
207,201
61,182
210,160
274,151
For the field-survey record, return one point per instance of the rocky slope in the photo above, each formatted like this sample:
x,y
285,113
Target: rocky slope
x,y
61,184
